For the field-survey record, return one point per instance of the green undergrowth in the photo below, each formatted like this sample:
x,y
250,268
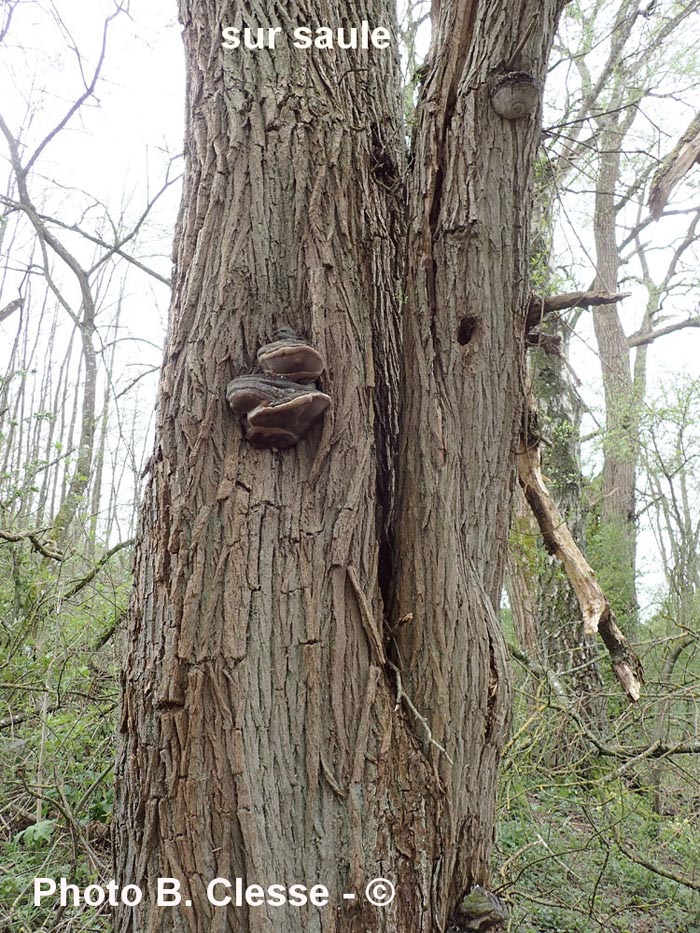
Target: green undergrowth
x,y
58,704
585,842
570,841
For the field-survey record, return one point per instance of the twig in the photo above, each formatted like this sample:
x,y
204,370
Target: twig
x,y
83,582
401,695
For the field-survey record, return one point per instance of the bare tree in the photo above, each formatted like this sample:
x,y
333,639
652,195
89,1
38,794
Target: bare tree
x,y
612,92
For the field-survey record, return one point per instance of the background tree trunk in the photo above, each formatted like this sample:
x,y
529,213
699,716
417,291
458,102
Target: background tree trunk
x,y
618,521
261,733
546,613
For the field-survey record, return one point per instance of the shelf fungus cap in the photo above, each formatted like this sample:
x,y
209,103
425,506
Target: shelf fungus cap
x,y
291,357
246,392
480,910
276,412
515,95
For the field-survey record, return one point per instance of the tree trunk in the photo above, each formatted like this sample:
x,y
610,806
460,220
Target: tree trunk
x,y
467,290
281,715
80,477
616,541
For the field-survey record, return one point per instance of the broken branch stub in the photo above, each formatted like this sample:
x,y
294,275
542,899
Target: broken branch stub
x,y
541,306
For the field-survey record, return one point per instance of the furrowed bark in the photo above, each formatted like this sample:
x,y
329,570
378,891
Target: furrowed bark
x,y
259,737
470,196
270,728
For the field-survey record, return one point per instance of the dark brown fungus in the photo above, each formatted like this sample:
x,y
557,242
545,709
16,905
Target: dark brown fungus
x,y
276,412
291,357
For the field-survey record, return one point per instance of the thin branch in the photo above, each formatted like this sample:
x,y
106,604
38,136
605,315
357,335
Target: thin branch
x,y
77,104
654,867
402,696
46,549
83,582
642,339
45,236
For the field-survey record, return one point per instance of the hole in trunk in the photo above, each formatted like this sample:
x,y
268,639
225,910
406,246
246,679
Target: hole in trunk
x,y
468,326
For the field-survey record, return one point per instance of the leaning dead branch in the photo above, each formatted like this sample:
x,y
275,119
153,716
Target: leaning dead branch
x,y
558,540
675,167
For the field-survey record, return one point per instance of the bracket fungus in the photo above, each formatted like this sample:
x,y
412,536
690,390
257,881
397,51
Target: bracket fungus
x,y
515,95
278,407
479,911
288,356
